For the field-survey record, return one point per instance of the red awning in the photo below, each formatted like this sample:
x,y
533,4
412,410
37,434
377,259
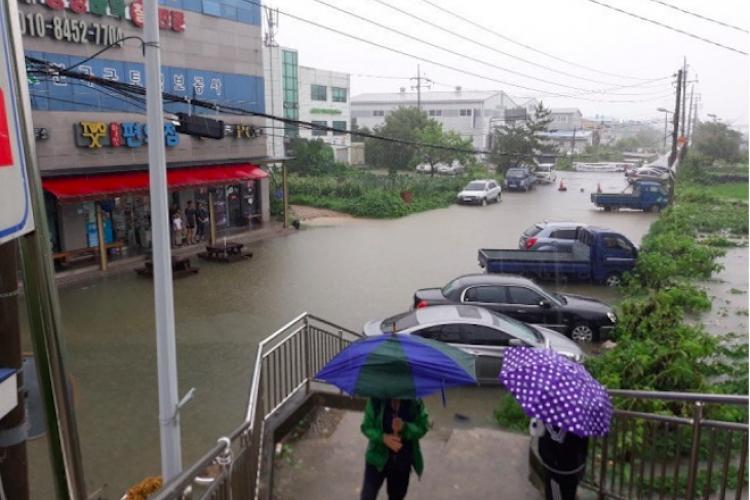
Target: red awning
x,y
99,186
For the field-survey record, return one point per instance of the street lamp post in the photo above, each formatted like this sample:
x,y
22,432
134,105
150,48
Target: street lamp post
x,y
666,116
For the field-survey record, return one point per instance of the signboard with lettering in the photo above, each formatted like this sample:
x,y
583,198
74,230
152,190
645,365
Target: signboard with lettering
x,y
15,210
97,135
65,21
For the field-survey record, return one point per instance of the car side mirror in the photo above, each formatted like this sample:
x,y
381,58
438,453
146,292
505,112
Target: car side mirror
x,y
545,304
515,343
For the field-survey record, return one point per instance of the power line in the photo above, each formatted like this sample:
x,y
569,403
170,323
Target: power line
x,y
437,63
666,26
699,16
486,46
526,46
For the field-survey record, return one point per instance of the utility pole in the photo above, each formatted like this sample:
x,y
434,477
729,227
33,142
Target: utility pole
x,y
419,78
684,93
573,143
676,118
690,116
166,352
270,41
14,465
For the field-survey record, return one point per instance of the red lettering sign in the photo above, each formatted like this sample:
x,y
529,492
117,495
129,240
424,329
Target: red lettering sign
x,y
55,4
6,153
115,135
164,19
77,6
136,14
178,21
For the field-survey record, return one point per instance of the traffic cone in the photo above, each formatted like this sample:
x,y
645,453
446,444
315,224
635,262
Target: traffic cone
x,y
562,186
598,187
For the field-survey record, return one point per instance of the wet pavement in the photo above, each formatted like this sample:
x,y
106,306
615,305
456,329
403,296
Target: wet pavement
x,y
349,273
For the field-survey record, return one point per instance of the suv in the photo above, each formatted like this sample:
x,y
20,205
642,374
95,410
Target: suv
x,y
550,236
480,192
520,179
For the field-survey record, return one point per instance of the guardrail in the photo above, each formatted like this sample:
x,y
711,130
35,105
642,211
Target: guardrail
x,y
648,454
285,364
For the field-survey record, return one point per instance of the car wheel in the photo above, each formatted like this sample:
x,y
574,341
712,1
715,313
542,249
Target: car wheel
x,y
607,209
582,333
613,280
654,209
484,202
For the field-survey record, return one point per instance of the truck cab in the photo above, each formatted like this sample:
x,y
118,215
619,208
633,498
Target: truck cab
x,y
648,196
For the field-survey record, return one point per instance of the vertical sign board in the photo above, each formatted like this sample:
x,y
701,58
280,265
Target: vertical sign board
x,y
16,218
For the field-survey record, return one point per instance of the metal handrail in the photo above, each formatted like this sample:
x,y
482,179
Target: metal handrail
x,y
730,399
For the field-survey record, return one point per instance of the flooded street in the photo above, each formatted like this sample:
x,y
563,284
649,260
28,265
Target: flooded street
x,y
347,272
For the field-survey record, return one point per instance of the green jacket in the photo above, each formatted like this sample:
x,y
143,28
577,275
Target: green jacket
x,y
372,428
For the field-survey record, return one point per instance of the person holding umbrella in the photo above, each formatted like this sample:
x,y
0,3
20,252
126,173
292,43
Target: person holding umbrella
x,y
394,371
566,406
393,428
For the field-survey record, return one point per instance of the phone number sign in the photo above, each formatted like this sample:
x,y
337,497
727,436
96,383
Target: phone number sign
x,y
15,205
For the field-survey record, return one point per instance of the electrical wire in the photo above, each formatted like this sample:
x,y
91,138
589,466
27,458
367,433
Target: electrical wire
x,y
116,43
526,46
441,64
699,16
486,46
666,26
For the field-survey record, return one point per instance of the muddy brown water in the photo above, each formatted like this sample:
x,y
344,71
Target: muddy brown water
x,y
348,272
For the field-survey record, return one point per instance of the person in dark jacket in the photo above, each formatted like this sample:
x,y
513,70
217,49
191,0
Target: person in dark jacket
x,y
393,428
563,455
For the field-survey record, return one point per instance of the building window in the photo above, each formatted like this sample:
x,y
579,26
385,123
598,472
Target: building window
x,y
435,112
291,91
318,132
318,92
338,94
378,112
464,112
341,125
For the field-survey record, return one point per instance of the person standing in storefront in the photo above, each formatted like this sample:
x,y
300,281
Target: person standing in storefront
x,y
190,222
202,215
177,228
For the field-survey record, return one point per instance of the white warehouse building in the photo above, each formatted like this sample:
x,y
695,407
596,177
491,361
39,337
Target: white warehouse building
x,y
466,112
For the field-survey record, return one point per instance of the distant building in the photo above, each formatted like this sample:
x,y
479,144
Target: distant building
x,y
306,94
566,119
569,141
466,112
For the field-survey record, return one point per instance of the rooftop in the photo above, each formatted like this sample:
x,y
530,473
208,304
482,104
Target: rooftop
x,y
427,97
565,110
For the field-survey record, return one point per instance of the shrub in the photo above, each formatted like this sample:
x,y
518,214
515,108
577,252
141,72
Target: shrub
x,y
509,414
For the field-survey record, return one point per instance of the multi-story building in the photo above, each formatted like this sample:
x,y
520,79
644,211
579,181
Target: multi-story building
x,y
565,119
466,112
91,141
307,94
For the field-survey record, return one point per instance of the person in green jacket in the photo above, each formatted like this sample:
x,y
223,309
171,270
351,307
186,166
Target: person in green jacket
x,y
393,428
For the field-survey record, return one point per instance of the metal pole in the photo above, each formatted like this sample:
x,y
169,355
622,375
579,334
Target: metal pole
x,y
166,355
665,131
14,466
211,219
684,94
676,122
694,449
100,234
286,194
41,295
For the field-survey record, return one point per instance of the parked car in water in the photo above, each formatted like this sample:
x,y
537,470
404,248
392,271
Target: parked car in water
x,y
549,236
545,173
480,192
454,168
650,174
477,331
519,179
581,318
641,195
424,168
599,255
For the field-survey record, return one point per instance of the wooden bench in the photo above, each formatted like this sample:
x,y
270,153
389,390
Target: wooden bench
x,y
226,252
67,257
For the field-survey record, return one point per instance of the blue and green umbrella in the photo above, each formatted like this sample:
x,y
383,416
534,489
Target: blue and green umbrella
x,y
398,366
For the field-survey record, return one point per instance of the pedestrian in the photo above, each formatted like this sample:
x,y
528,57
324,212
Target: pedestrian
x,y
190,222
394,428
177,228
202,216
563,456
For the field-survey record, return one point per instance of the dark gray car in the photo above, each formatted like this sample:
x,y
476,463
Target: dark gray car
x,y
549,236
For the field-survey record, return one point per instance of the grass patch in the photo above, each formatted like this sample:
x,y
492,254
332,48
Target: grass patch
x,y
724,191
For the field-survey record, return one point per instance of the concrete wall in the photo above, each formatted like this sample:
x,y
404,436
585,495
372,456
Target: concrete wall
x,y
208,43
274,96
565,120
340,111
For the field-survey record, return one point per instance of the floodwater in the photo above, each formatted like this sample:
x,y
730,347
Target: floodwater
x,y
348,273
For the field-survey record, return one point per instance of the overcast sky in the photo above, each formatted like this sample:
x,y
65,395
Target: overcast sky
x,y
578,31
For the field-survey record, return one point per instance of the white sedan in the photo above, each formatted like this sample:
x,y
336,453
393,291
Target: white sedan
x,y
480,192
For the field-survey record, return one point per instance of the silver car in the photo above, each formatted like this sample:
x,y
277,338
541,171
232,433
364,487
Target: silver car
x,y
475,330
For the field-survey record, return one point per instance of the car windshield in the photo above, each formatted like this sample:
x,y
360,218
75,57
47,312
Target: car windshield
x,y
560,298
475,186
517,329
402,321
532,231
543,168
516,173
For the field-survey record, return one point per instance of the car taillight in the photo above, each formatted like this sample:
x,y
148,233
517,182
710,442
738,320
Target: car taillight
x,y
422,303
530,243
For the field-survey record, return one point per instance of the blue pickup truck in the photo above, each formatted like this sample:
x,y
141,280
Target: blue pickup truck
x,y
648,196
519,179
599,255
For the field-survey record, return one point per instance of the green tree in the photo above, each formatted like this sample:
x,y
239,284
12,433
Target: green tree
x,y
311,157
403,124
434,135
718,142
516,144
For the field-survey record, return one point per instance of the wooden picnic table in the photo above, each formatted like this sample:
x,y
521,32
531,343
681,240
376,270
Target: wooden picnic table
x,y
180,266
225,252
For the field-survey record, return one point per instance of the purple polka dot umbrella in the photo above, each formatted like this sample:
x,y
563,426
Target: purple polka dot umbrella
x,y
556,391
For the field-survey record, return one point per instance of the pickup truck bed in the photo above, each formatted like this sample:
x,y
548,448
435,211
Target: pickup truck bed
x,y
530,256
